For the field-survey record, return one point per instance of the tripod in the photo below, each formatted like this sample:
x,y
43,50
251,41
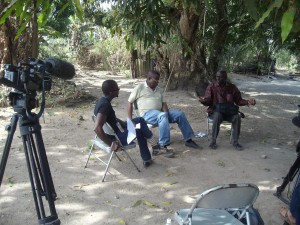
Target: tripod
x,y
36,158
294,170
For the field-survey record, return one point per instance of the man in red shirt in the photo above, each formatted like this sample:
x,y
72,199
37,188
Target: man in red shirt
x,y
223,99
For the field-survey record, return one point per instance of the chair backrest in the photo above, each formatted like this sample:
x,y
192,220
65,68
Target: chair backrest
x,y
108,129
229,196
135,108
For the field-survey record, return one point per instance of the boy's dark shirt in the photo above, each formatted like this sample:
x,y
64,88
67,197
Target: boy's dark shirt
x,y
229,93
104,107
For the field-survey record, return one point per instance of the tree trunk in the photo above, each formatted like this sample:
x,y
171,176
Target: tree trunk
x,y
134,67
21,49
191,65
219,39
35,32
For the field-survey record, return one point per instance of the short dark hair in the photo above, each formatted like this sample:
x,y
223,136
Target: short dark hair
x,y
222,72
153,72
108,86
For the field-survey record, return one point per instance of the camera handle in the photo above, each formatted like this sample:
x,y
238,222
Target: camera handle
x,y
42,108
37,164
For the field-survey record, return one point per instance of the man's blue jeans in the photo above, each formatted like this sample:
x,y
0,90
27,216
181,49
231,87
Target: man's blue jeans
x,y
163,120
142,135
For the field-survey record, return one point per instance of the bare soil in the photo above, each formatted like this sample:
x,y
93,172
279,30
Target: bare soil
x,y
154,194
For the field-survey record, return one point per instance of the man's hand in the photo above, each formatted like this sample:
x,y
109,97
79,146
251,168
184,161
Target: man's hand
x,y
201,99
115,145
251,101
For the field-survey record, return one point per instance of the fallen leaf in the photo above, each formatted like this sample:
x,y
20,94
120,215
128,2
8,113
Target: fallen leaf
x,y
137,203
167,203
169,174
170,183
149,203
221,163
122,222
10,181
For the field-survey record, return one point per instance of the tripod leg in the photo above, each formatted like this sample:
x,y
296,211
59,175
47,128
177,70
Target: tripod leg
x,y
289,177
39,171
11,128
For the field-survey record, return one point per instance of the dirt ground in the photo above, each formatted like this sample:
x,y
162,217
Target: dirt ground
x,y
154,194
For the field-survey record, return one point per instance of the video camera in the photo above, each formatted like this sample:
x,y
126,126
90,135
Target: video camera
x,y
28,78
36,75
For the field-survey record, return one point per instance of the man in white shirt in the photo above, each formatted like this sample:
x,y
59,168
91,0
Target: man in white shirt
x,y
153,108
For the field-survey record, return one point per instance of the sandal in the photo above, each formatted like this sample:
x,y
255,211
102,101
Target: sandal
x,y
287,216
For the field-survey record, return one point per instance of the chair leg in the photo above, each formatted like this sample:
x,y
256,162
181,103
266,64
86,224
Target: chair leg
x,y
131,160
107,165
91,149
118,157
208,130
231,135
248,218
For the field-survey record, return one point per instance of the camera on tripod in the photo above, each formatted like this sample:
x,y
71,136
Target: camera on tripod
x,y
25,80
28,78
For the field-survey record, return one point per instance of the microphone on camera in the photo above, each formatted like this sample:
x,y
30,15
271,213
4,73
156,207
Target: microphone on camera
x,y
60,68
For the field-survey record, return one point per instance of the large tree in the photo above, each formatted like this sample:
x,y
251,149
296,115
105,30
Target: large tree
x,y
23,22
188,37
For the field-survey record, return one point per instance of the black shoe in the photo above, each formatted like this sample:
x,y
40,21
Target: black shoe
x,y
162,150
237,146
213,145
148,163
192,144
155,150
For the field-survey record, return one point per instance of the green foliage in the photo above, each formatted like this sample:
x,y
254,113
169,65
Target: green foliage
x,y
53,11
149,27
113,50
287,22
59,18
56,47
275,4
287,12
251,7
285,59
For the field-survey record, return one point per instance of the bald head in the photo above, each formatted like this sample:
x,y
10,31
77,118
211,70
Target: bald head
x,y
221,77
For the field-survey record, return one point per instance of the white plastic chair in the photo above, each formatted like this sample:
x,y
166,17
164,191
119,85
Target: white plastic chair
x,y
107,149
224,204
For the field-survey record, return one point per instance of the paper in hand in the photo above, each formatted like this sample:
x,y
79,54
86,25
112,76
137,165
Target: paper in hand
x,y
131,131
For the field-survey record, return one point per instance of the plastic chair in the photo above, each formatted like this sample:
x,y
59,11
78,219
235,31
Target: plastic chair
x,y
108,149
224,204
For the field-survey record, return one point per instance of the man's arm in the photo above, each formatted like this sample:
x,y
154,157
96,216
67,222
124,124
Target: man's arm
x,y
122,123
207,99
129,110
99,122
251,101
164,107
240,101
